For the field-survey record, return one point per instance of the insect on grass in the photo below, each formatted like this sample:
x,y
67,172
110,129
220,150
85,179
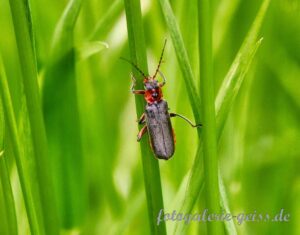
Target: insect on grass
x,y
156,118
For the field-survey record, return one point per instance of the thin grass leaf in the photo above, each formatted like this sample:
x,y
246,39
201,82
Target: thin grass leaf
x,y
2,125
35,222
232,83
21,16
229,224
62,41
182,57
60,105
99,120
281,64
224,15
106,22
239,67
89,49
150,163
233,79
8,200
210,156
134,206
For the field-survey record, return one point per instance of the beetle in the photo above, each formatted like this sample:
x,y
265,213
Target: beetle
x,y
156,118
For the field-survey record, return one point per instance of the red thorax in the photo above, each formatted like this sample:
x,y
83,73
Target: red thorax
x,y
153,92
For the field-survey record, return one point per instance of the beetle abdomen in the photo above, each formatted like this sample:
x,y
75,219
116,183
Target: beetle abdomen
x,y
160,129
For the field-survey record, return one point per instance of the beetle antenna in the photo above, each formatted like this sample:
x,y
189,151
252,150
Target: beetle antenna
x,y
160,59
134,65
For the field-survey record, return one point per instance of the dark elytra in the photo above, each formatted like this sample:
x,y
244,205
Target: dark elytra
x,y
160,129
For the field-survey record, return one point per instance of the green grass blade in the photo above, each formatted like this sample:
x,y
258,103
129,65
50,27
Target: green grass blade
x,y
182,57
22,26
232,83
60,105
224,15
239,68
89,49
36,225
106,22
150,164
281,64
8,199
234,79
62,41
210,156
229,225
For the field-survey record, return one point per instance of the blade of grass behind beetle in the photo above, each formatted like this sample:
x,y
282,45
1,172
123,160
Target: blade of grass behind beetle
x,y
150,164
182,58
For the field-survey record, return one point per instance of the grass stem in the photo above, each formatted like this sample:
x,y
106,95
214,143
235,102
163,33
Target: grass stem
x,y
36,227
210,159
22,25
150,164
8,199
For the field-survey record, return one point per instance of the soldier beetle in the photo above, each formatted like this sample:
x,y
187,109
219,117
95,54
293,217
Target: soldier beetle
x,y
156,118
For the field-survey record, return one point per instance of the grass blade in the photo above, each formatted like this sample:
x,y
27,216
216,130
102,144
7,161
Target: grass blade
x,y
281,64
210,157
228,91
6,190
62,41
36,225
150,164
224,15
89,49
182,57
60,105
239,67
106,22
22,26
229,225
7,204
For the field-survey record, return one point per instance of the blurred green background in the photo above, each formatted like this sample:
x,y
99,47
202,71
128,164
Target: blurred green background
x,y
90,115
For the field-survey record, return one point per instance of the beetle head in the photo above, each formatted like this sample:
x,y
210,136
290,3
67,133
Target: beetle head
x,y
150,83
153,93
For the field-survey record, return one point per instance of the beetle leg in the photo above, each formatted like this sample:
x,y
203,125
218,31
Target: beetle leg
x,y
142,119
141,133
137,92
184,118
